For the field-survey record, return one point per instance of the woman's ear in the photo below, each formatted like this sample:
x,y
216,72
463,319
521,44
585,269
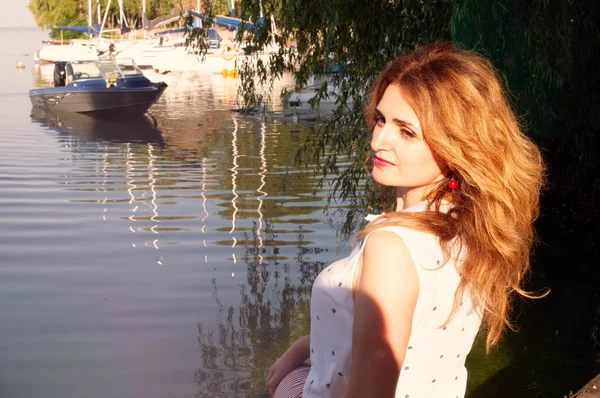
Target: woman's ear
x,y
446,169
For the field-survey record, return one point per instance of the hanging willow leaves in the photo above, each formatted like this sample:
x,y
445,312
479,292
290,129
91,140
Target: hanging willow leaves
x,y
355,38
543,48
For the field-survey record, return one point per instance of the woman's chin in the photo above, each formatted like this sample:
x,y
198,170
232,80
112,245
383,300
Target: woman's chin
x,y
388,182
385,175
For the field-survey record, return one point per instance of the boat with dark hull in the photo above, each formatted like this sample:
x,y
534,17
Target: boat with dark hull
x,y
98,87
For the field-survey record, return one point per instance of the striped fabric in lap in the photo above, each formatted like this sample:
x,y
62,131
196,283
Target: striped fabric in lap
x,y
292,385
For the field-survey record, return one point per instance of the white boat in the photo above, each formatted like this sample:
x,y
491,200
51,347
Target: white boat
x,y
75,50
183,60
214,61
301,102
148,51
222,55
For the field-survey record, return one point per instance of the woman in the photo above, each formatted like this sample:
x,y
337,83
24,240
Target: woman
x,y
400,314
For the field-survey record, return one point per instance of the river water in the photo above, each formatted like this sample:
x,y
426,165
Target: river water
x,y
153,257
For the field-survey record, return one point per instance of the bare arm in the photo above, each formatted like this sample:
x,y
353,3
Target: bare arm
x,y
386,294
293,357
300,349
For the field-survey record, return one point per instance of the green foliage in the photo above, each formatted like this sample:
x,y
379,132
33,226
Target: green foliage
x,y
313,37
545,49
48,13
217,7
157,8
66,34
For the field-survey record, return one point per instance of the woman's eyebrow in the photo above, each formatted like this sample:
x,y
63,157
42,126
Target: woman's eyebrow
x,y
401,123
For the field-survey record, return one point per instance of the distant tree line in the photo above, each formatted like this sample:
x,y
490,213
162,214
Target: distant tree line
x,y
49,13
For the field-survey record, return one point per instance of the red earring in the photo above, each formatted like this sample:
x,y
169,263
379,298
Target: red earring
x,y
452,183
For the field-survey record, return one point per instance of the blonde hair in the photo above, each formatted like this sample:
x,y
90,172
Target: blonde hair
x,y
469,125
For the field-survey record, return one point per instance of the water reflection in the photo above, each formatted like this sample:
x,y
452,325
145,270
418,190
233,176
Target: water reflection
x,y
206,214
43,75
262,173
136,128
273,308
233,183
273,311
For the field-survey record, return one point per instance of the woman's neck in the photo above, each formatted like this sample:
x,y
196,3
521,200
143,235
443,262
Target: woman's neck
x,y
406,198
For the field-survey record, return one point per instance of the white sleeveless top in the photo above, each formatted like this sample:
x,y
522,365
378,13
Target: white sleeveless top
x,y
435,357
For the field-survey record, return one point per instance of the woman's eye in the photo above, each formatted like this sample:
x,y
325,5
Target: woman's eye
x,y
379,121
407,133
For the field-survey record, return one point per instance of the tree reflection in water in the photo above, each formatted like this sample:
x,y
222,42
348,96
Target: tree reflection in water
x,y
273,311
271,307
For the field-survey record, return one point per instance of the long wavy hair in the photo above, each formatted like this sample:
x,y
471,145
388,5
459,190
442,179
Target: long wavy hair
x,y
468,123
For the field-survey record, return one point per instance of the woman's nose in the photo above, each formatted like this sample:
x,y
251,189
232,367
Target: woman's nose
x,y
379,139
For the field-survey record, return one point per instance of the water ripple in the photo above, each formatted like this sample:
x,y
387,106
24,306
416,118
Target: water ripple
x,y
130,244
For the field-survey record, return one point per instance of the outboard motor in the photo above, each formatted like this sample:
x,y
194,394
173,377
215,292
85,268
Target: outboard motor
x,y
59,74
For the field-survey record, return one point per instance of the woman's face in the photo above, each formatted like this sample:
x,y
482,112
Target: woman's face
x,y
402,159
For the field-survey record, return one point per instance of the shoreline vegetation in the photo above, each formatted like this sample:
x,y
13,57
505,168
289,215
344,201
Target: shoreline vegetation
x,y
51,13
545,51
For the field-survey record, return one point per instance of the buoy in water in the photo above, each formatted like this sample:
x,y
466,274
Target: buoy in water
x,y
229,72
20,65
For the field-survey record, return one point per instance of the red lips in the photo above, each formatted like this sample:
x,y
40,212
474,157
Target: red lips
x,y
382,162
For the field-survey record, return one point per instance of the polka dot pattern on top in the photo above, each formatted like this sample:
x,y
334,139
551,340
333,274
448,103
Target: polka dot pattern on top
x,y
434,359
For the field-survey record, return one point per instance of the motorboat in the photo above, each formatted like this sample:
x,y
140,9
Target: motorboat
x,y
107,85
303,100
304,103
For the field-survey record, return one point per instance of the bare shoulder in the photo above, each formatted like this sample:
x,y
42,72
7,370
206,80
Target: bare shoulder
x,y
385,260
381,237
385,248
